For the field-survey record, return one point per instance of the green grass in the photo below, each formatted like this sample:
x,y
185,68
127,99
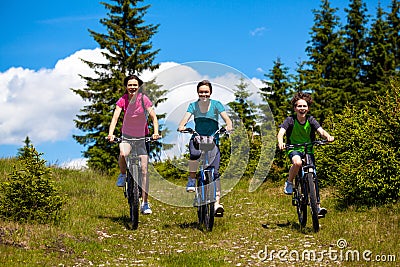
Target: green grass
x,y
95,233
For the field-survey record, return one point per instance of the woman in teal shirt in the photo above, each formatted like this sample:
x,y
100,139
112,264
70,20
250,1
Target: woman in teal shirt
x,y
206,113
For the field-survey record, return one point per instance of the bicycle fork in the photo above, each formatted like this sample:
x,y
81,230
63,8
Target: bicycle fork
x,y
206,190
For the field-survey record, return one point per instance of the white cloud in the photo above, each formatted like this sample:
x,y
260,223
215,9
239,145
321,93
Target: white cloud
x,y
40,104
75,164
258,31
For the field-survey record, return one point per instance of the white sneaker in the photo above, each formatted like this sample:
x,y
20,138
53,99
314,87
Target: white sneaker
x,y
121,180
288,190
145,209
191,185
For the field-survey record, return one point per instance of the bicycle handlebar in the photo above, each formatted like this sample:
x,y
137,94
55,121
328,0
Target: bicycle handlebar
x,y
222,130
146,139
317,142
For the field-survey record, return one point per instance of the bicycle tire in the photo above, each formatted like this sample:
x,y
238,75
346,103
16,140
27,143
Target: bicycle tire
x,y
210,192
133,197
205,211
301,204
313,200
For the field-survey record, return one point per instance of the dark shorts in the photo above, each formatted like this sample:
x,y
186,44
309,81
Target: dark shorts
x,y
140,146
298,153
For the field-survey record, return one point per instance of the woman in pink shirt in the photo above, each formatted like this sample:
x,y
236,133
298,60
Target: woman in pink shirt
x,y
135,105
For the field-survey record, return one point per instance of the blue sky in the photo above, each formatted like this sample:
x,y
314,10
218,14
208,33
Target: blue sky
x,y
41,39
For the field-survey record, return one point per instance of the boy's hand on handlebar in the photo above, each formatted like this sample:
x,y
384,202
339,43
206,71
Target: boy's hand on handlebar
x,y
330,138
181,128
281,146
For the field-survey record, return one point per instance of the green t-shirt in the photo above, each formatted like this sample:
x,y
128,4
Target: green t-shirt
x,y
297,133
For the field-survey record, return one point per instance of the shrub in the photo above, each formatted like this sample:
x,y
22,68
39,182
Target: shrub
x,y
28,194
364,161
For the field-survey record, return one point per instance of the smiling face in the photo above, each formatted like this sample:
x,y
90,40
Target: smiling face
x,y
204,93
132,86
301,107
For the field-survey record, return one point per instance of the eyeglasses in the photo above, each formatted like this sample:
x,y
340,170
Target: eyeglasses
x,y
301,106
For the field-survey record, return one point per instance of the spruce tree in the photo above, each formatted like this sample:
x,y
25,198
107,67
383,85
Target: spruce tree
x,y
394,36
355,47
321,71
277,92
127,48
379,58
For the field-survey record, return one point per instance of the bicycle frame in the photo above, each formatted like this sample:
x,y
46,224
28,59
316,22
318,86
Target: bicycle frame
x,y
206,190
306,190
133,183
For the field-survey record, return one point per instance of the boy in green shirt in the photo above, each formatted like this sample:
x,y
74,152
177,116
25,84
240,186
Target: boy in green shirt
x,y
300,128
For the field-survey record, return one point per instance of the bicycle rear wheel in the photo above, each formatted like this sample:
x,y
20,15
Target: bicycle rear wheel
x,y
301,201
313,200
133,197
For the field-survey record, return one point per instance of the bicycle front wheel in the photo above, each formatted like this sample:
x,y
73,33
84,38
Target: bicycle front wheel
x,y
313,200
301,201
206,210
133,197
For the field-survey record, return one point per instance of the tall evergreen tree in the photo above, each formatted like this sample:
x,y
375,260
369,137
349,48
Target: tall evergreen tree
x,y
321,70
128,49
355,47
243,113
277,92
394,35
380,61
244,108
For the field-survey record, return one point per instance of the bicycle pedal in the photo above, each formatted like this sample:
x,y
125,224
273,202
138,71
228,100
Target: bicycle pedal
x,y
294,202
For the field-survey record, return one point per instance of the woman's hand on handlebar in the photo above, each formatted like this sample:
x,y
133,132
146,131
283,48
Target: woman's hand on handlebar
x,y
155,136
181,128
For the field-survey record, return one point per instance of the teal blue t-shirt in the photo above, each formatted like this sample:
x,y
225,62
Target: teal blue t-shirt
x,y
206,123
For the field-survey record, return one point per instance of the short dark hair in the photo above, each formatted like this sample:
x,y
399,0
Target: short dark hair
x,y
205,82
304,96
132,77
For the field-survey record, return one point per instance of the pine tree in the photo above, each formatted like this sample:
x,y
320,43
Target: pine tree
x,y
394,36
244,116
244,108
321,70
128,49
380,60
24,151
355,47
277,92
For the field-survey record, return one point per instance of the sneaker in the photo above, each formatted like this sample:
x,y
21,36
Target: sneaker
x,y
322,212
145,209
191,185
288,190
121,180
218,210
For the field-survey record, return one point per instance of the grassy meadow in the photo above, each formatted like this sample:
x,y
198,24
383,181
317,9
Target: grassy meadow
x,y
255,226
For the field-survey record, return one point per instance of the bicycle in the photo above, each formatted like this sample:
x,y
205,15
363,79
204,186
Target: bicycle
x,y
206,190
305,190
133,188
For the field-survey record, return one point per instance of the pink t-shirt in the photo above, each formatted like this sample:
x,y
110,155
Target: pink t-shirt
x,y
135,121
